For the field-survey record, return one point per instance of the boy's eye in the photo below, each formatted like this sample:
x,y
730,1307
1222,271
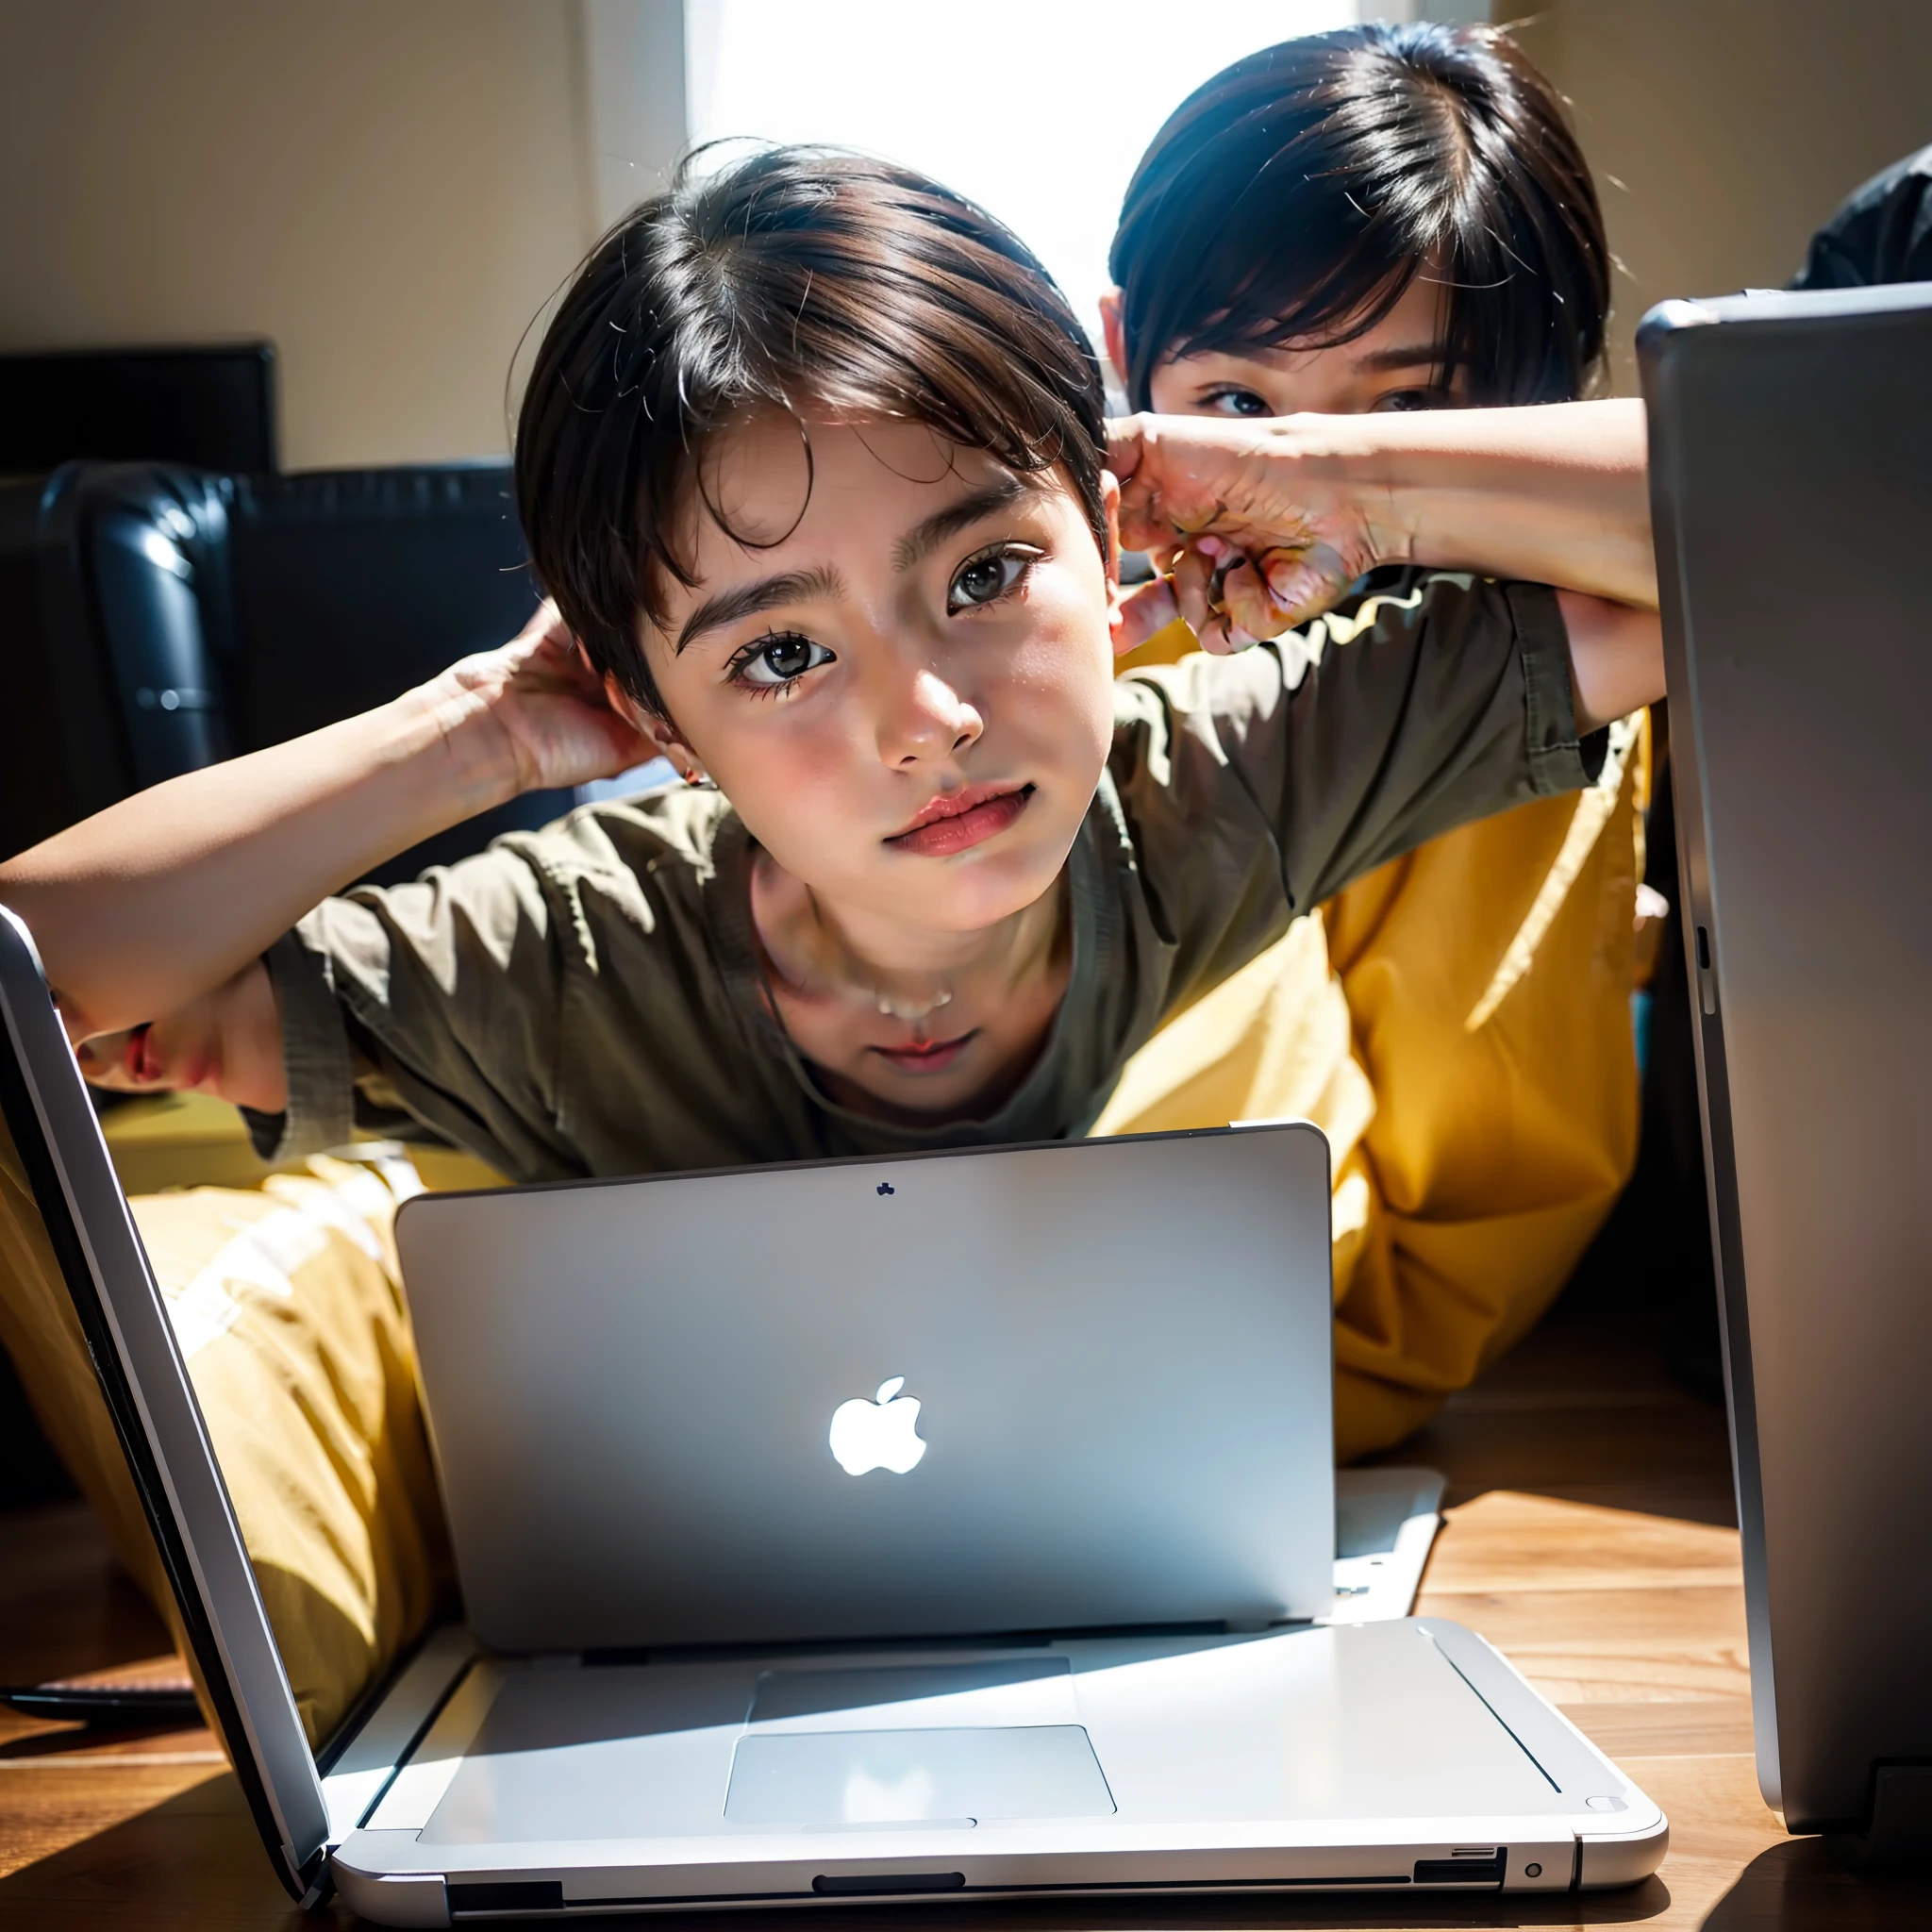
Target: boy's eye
x,y
1230,399
777,660
989,576
1398,401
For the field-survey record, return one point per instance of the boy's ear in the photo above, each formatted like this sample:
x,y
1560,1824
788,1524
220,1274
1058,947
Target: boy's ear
x,y
630,710
1113,335
660,731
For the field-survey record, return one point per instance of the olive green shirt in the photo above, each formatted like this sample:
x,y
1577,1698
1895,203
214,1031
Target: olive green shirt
x,y
587,999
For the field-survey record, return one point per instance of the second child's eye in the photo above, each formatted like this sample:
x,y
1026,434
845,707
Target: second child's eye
x,y
777,660
988,577
1230,399
1400,401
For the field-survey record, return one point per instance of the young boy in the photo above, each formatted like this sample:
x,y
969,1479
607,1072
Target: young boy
x,y
1396,219
811,460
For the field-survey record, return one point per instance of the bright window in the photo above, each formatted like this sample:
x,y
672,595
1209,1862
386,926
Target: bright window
x,y
1037,110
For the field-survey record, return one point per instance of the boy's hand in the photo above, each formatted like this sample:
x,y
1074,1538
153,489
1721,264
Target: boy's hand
x,y
533,713
228,1042
1261,533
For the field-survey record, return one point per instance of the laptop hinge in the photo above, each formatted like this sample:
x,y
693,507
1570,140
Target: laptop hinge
x,y
1900,1830
316,1881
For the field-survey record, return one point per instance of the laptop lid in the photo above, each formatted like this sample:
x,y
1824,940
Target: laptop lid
x,y
1791,486
1071,1386
155,1416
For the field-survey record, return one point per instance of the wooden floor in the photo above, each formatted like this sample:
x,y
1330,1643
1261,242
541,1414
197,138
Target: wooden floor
x,y
1590,1537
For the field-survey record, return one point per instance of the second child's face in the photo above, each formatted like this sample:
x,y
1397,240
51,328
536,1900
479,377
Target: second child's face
x,y
906,691
1393,367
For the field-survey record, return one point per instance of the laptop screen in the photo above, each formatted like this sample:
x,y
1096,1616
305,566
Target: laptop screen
x,y
54,1144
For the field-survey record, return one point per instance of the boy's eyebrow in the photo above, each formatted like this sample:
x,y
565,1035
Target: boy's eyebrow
x,y
747,600
923,538
1408,355
798,586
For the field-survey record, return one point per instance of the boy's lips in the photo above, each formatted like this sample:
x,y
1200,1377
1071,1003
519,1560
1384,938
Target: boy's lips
x,y
926,1057
956,821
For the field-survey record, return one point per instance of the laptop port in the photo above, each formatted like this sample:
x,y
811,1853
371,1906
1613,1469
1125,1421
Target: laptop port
x,y
867,1883
512,1896
1484,1866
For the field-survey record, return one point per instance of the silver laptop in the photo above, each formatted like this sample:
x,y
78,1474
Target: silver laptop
x,y
1016,1389
822,1542
1791,483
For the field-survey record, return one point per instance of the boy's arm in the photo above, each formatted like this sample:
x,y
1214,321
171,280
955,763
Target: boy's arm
x,y
170,894
1295,510
1616,658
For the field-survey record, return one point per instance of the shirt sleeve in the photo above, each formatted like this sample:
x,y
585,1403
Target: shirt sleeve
x,y
477,997
447,991
1259,785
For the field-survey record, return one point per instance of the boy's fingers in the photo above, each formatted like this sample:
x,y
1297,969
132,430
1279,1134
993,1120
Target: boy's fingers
x,y
1146,521
1193,583
1133,456
1200,599
1302,583
1248,607
1177,478
103,1056
1123,441
546,626
1143,613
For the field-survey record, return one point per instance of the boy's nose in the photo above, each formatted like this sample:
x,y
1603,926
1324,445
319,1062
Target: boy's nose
x,y
927,719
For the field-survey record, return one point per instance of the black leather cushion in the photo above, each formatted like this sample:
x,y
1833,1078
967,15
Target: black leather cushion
x,y
102,569
158,618
348,587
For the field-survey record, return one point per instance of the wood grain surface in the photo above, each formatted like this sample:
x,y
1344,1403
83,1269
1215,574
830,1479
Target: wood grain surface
x,y
1590,1537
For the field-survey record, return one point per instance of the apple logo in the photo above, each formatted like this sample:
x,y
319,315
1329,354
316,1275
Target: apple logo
x,y
880,1434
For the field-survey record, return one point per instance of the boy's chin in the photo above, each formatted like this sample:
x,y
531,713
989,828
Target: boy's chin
x,y
950,897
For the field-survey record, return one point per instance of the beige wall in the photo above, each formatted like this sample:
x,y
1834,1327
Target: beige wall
x,y
389,189
1724,131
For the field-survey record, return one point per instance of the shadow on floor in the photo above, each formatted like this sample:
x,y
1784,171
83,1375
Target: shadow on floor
x,y
192,1860
1799,1887
1585,1409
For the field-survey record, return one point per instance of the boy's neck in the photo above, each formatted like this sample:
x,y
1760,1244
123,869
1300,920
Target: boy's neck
x,y
911,1026
792,919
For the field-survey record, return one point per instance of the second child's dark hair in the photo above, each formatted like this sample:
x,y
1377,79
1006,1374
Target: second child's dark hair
x,y
806,280
1299,194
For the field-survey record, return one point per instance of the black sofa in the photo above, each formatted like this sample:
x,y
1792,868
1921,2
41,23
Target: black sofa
x,y
155,618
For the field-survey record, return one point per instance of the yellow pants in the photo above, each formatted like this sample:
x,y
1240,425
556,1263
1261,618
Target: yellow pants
x,y
1458,1023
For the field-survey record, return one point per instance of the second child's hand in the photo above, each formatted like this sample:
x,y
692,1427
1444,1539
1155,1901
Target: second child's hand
x,y
1255,543
1266,524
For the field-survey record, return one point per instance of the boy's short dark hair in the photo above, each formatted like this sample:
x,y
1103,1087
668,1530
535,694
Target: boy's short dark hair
x,y
1296,196
802,279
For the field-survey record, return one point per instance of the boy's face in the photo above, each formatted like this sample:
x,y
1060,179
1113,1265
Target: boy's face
x,y
907,694
1394,366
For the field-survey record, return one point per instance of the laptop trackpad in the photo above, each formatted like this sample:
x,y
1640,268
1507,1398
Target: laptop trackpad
x,y
998,1738
790,1778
